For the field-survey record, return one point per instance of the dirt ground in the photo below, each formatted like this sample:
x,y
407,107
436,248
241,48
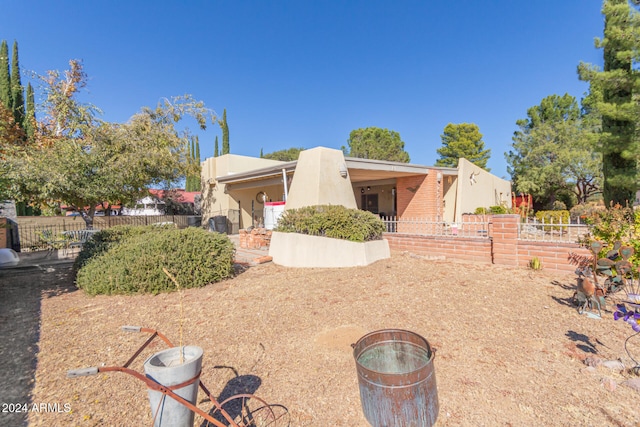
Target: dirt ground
x,y
511,347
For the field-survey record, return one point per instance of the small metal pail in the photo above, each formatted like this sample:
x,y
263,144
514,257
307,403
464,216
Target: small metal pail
x,y
397,379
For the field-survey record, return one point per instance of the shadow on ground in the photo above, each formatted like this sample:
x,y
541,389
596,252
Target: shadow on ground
x,y
21,292
586,344
239,385
569,301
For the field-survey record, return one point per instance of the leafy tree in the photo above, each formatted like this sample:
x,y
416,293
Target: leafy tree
x,y
10,136
17,91
216,152
5,77
174,203
283,155
552,157
378,144
618,85
80,161
225,133
462,140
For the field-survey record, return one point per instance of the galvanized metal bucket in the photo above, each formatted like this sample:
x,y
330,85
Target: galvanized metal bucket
x,y
397,379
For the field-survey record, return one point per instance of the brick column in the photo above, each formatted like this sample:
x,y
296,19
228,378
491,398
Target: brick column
x,y
418,197
504,234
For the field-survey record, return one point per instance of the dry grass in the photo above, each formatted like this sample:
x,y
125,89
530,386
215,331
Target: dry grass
x,y
510,346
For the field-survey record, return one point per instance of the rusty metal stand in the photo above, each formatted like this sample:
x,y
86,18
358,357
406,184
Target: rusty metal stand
x,y
263,415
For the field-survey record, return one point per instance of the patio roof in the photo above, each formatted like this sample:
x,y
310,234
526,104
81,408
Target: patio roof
x,y
257,177
360,170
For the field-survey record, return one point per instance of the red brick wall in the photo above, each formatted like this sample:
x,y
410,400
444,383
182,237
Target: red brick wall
x,y
505,239
255,239
459,249
503,248
562,257
418,196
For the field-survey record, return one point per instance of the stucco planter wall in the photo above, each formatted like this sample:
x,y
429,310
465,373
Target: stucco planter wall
x,y
300,250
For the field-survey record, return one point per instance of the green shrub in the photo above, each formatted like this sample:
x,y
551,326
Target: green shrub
x,y
583,211
496,210
332,221
101,241
129,260
612,225
535,263
554,217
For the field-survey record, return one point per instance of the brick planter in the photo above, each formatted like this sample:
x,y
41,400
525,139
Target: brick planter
x,y
257,238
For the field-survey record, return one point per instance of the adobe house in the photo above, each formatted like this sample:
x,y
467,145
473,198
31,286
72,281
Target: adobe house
x,y
237,187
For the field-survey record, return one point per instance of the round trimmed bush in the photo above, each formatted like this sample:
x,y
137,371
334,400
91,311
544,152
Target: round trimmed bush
x,y
130,260
101,241
334,221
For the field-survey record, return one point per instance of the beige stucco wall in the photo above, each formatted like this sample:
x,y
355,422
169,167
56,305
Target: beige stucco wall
x,y
479,188
450,193
215,200
317,180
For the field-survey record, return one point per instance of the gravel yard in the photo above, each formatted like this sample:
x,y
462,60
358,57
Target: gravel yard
x,y
511,347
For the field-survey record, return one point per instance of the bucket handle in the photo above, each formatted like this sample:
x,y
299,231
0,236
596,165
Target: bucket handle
x,y
82,372
433,349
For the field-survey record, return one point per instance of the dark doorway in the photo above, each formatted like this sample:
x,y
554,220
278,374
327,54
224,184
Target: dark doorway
x,y
369,202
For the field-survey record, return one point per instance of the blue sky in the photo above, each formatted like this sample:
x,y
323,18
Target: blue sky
x,y
306,73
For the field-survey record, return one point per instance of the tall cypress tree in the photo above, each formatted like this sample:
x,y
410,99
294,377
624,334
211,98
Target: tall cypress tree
x,y
196,177
29,123
192,149
17,91
216,151
225,133
5,77
192,182
614,89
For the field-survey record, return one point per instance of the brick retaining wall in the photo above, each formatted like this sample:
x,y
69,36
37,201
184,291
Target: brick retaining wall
x,y
501,248
462,249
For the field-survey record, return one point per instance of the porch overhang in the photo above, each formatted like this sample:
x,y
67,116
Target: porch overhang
x,y
360,170
256,178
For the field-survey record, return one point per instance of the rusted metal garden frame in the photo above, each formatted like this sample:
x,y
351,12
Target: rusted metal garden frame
x,y
168,391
